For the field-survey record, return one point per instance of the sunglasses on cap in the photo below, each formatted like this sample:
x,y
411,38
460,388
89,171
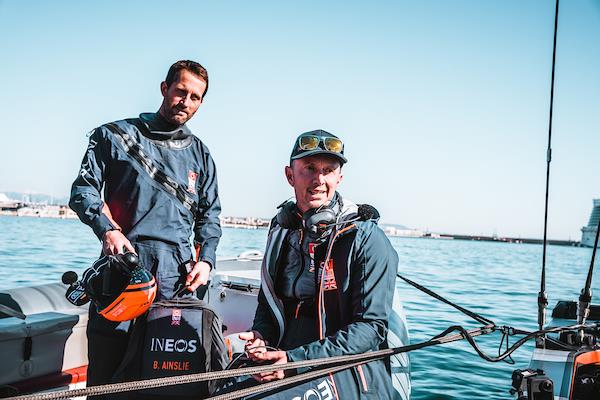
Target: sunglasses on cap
x,y
311,142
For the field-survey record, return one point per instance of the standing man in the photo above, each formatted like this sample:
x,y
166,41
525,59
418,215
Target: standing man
x,y
160,185
328,277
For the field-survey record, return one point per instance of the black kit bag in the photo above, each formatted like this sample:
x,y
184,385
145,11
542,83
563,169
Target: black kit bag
x,y
176,337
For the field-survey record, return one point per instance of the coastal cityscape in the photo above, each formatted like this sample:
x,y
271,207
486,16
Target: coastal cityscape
x,y
47,207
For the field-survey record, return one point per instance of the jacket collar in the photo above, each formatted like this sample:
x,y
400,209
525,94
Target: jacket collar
x,y
162,129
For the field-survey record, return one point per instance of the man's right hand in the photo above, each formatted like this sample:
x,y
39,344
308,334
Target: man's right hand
x,y
254,343
114,242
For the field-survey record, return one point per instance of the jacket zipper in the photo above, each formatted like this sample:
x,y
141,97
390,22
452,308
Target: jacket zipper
x,y
301,269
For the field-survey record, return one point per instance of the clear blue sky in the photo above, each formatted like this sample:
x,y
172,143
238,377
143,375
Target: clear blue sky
x,y
443,104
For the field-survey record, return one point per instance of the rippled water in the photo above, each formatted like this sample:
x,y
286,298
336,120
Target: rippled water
x,y
497,280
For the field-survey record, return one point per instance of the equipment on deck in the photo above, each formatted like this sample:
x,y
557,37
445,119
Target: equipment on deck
x,y
120,288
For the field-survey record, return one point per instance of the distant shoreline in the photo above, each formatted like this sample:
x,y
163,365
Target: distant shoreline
x,y
63,212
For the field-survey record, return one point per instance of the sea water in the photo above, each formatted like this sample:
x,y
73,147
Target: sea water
x,y
497,280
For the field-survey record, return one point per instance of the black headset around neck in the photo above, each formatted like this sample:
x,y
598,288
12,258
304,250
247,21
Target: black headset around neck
x,y
315,221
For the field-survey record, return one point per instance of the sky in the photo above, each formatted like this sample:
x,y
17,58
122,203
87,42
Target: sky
x,y
443,105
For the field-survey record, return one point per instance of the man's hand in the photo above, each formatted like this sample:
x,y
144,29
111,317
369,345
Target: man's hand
x,y
257,351
198,275
271,357
113,243
254,343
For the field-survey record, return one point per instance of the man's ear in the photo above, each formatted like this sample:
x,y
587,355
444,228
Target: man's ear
x,y
163,88
289,175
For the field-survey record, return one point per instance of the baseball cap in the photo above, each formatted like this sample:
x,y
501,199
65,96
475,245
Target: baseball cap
x,y
318,142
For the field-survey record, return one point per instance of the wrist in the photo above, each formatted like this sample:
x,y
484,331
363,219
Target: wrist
x,y
111,229
208,263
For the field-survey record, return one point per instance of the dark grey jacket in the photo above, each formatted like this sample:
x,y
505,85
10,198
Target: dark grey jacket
x,y
143,209
356,315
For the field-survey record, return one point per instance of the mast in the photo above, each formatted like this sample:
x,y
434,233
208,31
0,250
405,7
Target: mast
x,y
542,297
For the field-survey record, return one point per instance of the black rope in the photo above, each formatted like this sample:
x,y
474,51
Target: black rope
x,y
506,333
482,320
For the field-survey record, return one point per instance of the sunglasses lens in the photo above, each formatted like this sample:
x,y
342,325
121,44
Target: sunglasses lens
x,y
333,144
308,142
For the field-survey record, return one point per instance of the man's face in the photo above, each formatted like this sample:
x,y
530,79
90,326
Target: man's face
x,y
182,98
314,180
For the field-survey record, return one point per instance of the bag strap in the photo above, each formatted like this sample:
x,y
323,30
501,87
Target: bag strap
x,y
133,148
207,339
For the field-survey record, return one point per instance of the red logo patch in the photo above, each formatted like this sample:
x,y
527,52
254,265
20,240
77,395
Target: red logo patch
x,y
192,176
176,317
329,282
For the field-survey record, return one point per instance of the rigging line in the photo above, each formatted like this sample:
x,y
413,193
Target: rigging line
x,y
585,298
542,297
471,314
307,376
443,338
206,376
588,281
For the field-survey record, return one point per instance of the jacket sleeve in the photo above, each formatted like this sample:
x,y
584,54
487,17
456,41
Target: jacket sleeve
x,y
372,282
85,199
207,228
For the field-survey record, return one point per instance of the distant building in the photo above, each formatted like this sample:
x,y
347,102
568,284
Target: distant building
x,y
403,232
588,233
62,212
243,222
7,205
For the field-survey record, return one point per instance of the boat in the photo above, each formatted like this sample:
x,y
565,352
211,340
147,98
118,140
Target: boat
x,y
47,350
563,366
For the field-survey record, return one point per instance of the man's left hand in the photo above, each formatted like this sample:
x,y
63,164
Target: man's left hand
x,y
270,357
198,275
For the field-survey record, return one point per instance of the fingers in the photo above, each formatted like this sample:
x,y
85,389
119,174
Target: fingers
x,y
275,357
246,335
128,246
268,377
254,348
254,344
114,242
198,275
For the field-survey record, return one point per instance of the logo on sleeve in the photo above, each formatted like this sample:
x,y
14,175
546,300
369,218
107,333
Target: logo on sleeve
x,y
192,177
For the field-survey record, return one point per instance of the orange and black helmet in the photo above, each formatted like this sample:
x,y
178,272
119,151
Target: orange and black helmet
x,y
120,288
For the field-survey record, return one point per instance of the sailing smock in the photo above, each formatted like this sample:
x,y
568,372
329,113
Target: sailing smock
x,y
357,302
155,221
148,215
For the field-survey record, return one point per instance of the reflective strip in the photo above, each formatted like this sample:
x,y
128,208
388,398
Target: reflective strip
x,y
276,235
94,270
135,151
138,289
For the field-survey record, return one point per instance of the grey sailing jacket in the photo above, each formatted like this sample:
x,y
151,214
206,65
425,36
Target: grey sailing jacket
x,y
143,209
356,314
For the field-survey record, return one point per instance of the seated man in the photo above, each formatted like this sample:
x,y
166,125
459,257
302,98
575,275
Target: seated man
x,y
328,276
